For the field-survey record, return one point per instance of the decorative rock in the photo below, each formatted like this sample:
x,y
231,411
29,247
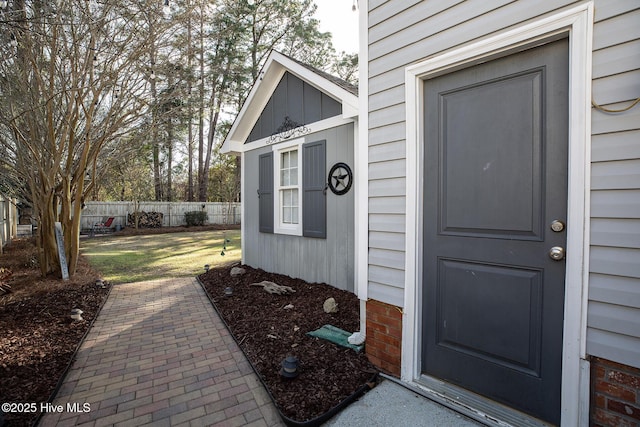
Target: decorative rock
x,y
274,288
288,307
237,271
76,314
330,306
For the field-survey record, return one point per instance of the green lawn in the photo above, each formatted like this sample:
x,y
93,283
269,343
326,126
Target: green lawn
x,y
136,258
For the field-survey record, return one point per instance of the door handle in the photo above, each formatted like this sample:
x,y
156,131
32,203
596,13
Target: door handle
x,y
556,253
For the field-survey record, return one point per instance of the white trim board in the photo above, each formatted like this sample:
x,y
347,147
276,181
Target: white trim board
x,y
278,226
319,126
361,172
577,22
243,207
274,68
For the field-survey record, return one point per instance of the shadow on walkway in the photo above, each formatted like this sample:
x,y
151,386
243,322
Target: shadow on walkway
x,y
159,354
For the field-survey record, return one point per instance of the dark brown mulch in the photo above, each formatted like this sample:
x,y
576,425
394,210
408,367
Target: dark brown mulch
x,y
37,336
267,332
131,231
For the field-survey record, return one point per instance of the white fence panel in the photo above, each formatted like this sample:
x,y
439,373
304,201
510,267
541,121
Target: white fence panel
x,y
173,212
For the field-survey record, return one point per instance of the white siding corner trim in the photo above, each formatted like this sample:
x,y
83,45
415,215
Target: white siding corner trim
x,y
577,22
243,207
362,170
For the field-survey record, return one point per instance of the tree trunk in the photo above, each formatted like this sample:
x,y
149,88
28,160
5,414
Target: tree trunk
x,y
213,122
169,197
157,181
202,190
190,192
48,254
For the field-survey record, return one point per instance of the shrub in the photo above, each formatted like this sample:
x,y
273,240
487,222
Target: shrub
x,y
195,218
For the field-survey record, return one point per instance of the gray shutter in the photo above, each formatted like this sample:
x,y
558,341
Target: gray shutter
x,y
314,201
265,192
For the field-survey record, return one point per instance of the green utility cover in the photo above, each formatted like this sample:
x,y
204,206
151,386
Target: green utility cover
x,y
336,336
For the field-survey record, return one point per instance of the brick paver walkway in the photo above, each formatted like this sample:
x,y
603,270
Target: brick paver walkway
x,y
159,354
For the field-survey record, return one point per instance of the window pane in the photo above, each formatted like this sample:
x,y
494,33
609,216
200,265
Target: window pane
x,y
289,191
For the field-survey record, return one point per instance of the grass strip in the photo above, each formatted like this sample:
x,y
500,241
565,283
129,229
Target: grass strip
x,y
127,259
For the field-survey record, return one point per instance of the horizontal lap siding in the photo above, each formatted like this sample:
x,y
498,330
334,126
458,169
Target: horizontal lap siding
x,y
613,316
402,33
616,146
618,175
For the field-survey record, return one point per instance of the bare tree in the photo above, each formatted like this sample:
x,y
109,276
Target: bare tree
x,y
241,35
75,80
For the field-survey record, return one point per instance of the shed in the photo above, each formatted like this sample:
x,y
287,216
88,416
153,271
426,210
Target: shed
x,y
501,145
296,134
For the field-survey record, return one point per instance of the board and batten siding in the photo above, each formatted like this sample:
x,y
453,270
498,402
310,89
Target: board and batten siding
x,y
317,260
401,33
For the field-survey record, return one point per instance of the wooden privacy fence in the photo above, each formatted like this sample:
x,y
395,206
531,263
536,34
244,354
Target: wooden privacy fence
x,y
173,212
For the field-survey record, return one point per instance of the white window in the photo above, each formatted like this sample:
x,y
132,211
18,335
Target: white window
x,y
288,179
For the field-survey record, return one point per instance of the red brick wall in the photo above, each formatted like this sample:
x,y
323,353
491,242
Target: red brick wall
x,y
615,394
384,336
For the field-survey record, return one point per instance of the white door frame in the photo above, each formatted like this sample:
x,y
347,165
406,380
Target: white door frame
x,y
577,23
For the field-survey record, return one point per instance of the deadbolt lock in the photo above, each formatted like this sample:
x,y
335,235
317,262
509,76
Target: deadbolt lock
x,y
556,253
557,226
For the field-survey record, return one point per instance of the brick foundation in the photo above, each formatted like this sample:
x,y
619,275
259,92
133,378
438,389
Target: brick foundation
x,y
384,336
615,388
615,394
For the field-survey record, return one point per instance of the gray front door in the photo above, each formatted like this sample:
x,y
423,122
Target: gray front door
x,y
495,180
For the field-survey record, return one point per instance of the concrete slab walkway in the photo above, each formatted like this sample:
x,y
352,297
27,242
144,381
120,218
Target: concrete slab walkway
x,y
159,354
390,404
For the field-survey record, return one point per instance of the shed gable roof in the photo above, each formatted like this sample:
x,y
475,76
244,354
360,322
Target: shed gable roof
x,y
270,76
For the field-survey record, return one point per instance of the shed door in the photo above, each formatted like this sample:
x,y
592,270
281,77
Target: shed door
x,y
495,180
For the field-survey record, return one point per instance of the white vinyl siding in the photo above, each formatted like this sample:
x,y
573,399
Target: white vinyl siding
x,y
613,319
402,33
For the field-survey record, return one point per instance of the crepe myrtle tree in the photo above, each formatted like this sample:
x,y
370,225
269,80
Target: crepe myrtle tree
x,y
74,77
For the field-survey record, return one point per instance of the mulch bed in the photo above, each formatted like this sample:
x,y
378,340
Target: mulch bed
x,y
267,333
38,338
